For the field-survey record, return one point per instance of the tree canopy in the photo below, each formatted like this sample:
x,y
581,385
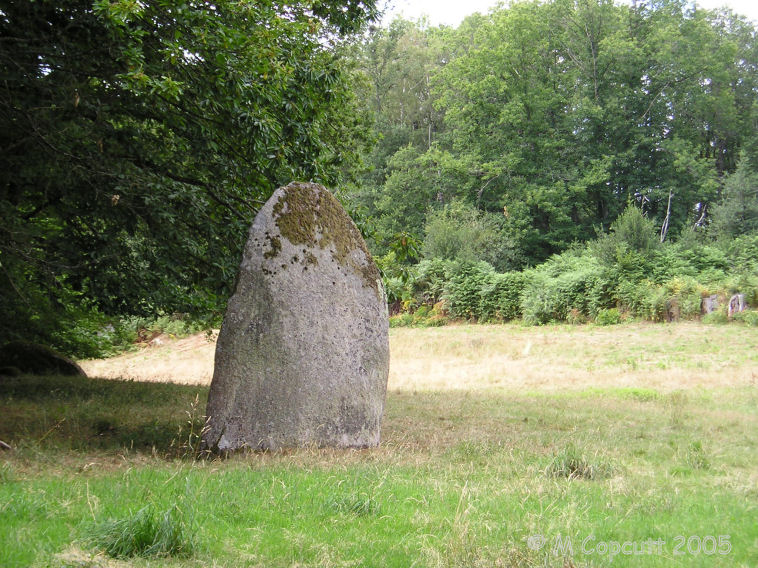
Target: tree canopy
x,y
557,115
137,140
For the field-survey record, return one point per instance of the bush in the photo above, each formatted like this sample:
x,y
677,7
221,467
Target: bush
x,y
403,319
678,298
686,293
430,279
742,254
424,316
717,317
608,317
461,232
463,294
631,231
395,289
500,297
748,317
635,298
668,263
565,285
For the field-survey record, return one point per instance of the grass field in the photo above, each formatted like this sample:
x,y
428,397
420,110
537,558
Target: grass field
x,y
502,446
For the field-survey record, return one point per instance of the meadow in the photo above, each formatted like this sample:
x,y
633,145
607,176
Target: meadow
x,y
555,446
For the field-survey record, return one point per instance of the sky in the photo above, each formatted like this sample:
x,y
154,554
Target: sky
x,y
452,12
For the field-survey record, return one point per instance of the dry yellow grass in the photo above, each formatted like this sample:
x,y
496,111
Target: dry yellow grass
x,y
663,357
185,361
511,357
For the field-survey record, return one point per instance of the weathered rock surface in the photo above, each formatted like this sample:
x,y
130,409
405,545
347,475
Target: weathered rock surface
x,y
710,304
737,304
24,357
302,358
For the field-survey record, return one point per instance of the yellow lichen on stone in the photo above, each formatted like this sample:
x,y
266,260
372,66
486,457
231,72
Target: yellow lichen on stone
x,y
310,215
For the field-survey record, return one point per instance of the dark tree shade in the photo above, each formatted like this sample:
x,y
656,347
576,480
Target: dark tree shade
x,y
137,140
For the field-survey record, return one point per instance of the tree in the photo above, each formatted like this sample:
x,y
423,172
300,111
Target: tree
x,y
400,61
137,140
737,212
460,232
567,111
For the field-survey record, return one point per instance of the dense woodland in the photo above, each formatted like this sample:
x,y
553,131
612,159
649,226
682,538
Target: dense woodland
x,y
549,161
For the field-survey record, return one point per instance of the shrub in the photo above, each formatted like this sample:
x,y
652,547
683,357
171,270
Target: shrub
x,y
742,253
635,298
538,302
680,297
608,317
631,231
424,316
566,284
687,293
575,317
461,232
463,293
403,319
748,317
717,317
395,289
430,278
668,262
500,297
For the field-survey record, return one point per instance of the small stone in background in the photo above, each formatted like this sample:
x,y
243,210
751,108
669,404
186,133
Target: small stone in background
x,y
736,304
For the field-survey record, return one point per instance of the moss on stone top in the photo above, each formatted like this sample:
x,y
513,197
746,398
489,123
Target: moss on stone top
x,y
308,214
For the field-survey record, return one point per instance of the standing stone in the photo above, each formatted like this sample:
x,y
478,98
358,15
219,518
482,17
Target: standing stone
x,y
737,304
710,304
302,358
673,311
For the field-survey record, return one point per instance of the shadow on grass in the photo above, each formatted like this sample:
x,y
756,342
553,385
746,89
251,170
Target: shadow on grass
x,y
79,413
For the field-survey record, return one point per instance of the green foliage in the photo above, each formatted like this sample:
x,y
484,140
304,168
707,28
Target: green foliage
x,y
632,240
396,290
748,317
678,298
637,298
687,293
431,278
565,283
139,139
423,316
736,213
500,297
611,316
742,254
460,232
463,291
717,317
133,329
146,533
578,125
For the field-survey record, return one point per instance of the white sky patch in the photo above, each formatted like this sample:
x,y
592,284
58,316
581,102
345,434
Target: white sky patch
x,y
452,12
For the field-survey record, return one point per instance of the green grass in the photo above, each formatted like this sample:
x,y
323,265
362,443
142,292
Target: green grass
x,y
145,533
461,479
